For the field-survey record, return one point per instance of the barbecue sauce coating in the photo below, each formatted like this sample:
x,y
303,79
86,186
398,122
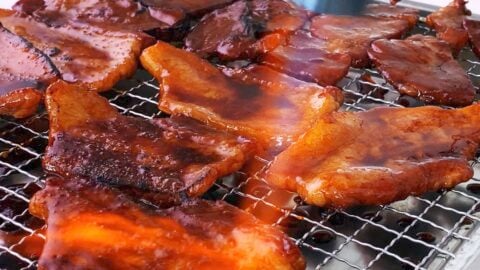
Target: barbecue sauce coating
x,y
175,12
379,156
20,103
473,29
88,138
96,227
383,11
436,78
447,22
353,35
120,15
256,102
24,70
301,58
94,60
235,31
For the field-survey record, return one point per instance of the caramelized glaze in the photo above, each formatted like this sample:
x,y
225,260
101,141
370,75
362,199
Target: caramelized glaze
x,y
255,102
473,29
95,227
120,15
175,12
437,77
88,138
447,22
234,31
311,63
353,35
410,15
24,71
84,56
29,65
277,16
20,103
379,156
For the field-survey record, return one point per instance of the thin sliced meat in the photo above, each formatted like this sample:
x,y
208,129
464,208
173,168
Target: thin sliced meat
x,y
95,61
256,102
410,15
173,157
118,15
21,102
24,71
222,32
235,31
95,227
379,156
175,12
277,16
447,22
353,35
473,29
437,78
300,57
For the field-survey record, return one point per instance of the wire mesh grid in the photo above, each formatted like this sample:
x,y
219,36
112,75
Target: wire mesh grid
x,y
417,233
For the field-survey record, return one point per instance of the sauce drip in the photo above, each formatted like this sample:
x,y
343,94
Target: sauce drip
x,y
405,222
322,236
474,188
426,237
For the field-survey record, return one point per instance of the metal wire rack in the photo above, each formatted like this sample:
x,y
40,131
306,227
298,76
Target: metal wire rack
x,y
417,233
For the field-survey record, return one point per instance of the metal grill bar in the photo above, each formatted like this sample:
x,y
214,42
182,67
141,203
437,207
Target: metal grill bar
x,y
360,238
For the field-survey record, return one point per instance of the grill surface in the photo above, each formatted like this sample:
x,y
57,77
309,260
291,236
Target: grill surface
x,y
420,232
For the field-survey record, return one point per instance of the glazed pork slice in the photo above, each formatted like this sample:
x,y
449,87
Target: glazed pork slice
x,y
19,100
256,102
95,61
175,12
379,156
353,35
447,22
473,29
24,72
384,11
96,227
306,58
423,67
235,31
170,156
118,15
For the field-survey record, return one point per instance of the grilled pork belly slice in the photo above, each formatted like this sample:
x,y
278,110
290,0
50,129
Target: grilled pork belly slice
x,y
306,58
236,31
379,156
96,227
447,22
84,56
410,15
176,157
423,67
256,102
118,15
24,71
353,35
473,29
179,11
